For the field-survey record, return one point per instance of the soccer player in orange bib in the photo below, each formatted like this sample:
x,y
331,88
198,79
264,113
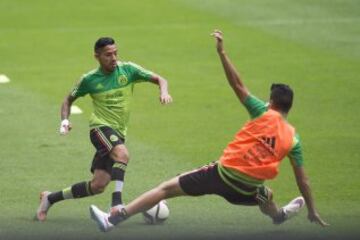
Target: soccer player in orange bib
x,y
251,158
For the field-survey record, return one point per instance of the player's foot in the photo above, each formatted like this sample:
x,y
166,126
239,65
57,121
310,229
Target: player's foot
x,y
43,207
290,210
293,207
101,219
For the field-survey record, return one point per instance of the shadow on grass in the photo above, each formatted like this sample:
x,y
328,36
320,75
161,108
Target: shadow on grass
x,y
80,228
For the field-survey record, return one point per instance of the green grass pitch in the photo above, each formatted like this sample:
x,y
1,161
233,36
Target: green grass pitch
x,y
45,46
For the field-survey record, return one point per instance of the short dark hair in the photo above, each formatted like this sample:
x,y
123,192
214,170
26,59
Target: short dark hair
x,y
103,42
281,96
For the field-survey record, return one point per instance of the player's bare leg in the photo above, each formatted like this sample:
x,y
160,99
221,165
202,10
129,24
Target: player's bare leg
x,y
99,181
79,190
165,190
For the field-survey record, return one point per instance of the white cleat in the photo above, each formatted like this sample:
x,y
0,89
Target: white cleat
x,y
293,207
43,207
101,219
290,210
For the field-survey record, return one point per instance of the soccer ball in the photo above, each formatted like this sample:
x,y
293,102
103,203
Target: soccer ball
x,y
157,214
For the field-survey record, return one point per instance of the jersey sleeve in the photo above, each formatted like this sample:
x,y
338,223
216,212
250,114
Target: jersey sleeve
x,y
255,106
138,73
295,153
80,88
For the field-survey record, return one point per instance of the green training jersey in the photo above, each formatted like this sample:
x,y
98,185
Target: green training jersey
x,y
256,108
111,94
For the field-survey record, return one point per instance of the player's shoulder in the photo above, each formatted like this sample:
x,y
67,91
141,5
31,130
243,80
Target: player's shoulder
x,y
296,142
290,127
91,73
255,106
124,65
131,67
128,64
90,76
254,100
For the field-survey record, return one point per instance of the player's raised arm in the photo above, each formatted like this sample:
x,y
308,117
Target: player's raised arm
x,y
231,73
304,187
65,125
165,97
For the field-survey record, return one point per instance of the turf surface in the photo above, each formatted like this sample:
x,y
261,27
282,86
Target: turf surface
x,y
45,46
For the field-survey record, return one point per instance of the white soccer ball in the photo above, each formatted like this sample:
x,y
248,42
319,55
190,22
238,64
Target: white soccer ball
x,y
157,214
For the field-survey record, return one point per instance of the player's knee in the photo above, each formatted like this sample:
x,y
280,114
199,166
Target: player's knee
x,y
163,188
120,154
270,194
167,189
264,195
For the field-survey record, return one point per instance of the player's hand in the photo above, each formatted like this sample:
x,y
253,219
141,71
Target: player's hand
x,y
315,218
65,127
165,98
218,35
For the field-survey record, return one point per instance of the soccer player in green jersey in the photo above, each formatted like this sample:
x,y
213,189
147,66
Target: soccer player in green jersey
x,y
111,88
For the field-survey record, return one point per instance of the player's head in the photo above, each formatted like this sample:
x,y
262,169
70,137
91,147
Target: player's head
x,y
281,97
106,53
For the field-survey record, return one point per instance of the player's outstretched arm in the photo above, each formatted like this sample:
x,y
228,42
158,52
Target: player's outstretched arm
x,y
304,187
165,97
231,73
65,125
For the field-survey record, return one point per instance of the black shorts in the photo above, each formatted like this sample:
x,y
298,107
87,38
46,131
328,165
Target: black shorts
x,y
104,139
207,180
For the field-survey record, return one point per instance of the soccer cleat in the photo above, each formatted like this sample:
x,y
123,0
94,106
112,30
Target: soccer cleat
x,y
43,207
293,207
290,210
101,219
